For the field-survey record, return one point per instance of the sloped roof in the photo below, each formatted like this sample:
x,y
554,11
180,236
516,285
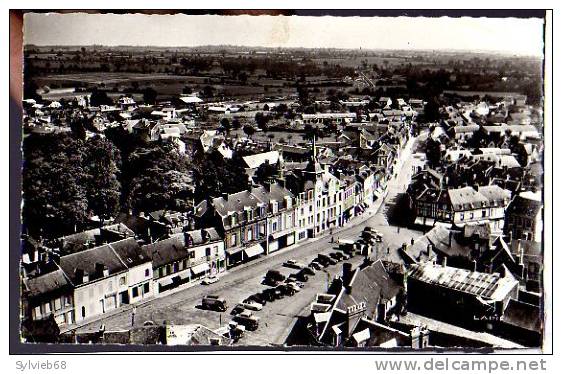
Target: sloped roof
x,y
520,314
494,193
254,161
484,285
130,252
523,206
166,251
86,260
46,283
466,198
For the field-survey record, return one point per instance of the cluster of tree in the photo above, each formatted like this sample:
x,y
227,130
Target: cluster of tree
x,y
213,174
66,180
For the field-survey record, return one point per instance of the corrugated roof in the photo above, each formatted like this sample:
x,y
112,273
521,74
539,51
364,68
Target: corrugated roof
x,y
484,285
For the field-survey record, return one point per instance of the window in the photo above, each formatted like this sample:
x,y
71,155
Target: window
x,y
160,272
208,251
176,267
184,263
233,240
83,312
37,311
483,213
57,304
462,216
472,215
249,235
67,300
123,280
147,273
216,250
274,226
135,291
146,288
192,254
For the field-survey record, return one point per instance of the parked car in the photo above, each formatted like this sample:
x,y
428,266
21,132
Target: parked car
x,y
286,290
275,275
237,309
213,302
336,256
235,330
258,298
316,265
248,320
252,305
210,280
345,256
301,276
293,286
326,259
272,294
293,264
308,270
271,282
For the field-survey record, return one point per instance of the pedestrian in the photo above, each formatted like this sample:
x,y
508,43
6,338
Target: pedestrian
x,y
412,241
398,229
133,315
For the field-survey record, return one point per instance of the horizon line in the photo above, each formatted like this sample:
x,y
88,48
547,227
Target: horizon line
x,y
456,50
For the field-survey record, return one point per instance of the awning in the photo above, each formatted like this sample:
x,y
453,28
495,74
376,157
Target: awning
x,y
232,251
254,250
278,234
201,268
165,282
424,221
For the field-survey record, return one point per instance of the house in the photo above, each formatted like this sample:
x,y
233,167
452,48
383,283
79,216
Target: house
x,y
242,219
522,323
185,257
318,198
523,219
362,298
458,295
460,206
107,277
528,254
463,132
46,295
384,156
281,216
319,118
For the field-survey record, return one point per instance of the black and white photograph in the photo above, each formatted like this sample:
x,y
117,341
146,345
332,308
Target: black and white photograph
x,y
283,180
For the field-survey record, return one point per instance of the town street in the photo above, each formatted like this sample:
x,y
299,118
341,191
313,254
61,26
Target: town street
x,y
238,283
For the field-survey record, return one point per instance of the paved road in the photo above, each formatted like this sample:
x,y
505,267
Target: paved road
x,y
238,283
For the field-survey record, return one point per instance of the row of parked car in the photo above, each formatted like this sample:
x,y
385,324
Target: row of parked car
x,y
281,286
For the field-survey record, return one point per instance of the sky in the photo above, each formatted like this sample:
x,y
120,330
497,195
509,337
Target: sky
x,y
507,35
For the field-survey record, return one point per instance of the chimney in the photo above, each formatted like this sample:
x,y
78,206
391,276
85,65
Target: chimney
x,y
101,269
81,276
381,311
347,273
520,251
444,262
